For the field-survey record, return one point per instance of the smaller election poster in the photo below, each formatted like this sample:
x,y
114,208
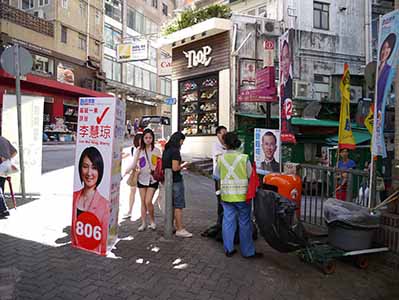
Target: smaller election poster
x,y
266,150
97,174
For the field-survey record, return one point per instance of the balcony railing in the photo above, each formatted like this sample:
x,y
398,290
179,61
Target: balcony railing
x,y
26,20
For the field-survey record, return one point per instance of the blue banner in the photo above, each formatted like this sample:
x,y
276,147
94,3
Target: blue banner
x,y
388,57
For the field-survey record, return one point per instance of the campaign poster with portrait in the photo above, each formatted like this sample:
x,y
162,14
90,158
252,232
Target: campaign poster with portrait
x,y
97,174
387,62
286,86
266,150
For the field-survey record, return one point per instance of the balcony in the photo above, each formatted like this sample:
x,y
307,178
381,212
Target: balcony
x,y
26,20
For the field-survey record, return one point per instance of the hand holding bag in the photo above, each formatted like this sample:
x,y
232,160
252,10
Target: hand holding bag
x,y
132,180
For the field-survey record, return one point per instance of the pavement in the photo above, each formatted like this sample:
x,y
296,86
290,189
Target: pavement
x,y
37,261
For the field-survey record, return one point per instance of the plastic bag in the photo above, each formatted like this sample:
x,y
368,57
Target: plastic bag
x,y
350,214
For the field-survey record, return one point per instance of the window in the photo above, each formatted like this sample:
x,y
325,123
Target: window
x,y
64,34
112,37
43,64
321,15
64,3
43,2
97,48
82,8
153,82
262,11
153,56
27,4
166,85
155,3
131,18
113,9
138,77
146,79
98,17
112,69
129,75
82,42
139,26
164,9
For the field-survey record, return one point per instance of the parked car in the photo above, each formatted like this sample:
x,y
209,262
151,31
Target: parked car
x,y
159,124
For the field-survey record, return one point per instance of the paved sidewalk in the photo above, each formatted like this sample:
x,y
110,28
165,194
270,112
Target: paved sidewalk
x,y
37,261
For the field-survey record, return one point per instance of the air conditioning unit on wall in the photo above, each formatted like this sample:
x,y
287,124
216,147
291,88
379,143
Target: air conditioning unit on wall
x,y
270,27
301,89
39,13
356,94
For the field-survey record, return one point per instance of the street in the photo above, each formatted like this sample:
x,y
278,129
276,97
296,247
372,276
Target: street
x,y
37,261
57,157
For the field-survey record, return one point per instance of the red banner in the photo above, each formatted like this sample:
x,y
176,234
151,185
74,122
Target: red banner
x,y
265,90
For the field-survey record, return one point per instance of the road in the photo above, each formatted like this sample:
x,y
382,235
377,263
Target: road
x,y
57,157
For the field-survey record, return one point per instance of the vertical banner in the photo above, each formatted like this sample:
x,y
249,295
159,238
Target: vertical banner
x,y
32,134
97,174
388,56
267,154
345,136
286,73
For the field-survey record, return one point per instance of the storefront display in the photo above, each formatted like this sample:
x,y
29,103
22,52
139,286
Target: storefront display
x,y
198,105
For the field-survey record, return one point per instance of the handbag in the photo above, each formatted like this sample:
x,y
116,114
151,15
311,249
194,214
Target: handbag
x,y
132,180
158,174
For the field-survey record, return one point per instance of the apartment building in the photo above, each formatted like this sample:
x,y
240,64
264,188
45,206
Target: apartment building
x,y
137,82
64,39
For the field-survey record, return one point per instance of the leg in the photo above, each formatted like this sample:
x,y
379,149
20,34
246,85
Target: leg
x,y
148,202
179,219
244,218
3,206
220,207
132,196
229,226
143,192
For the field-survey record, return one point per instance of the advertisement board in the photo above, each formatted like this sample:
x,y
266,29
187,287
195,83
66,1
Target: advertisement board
x,y
165,66
65,74
134,51
97,174
32,128
266,152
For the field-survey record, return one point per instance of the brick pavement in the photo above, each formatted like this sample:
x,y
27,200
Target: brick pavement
x,y
182,269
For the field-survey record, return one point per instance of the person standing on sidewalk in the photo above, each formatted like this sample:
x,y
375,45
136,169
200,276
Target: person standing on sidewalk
x,y
234,169
146,158
218,149
7,151
345,163
171,159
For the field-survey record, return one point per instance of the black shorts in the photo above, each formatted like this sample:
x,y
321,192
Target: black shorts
x,y
151,185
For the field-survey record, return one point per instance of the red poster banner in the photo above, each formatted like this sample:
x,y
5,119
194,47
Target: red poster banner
x,y
265,90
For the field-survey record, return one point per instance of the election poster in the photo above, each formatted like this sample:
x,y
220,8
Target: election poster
x,y
97,174
267,152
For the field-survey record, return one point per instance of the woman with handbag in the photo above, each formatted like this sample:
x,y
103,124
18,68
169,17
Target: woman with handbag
x,y
146,157
133,172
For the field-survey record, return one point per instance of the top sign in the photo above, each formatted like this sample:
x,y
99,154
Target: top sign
x,y
135,51
268,45
165,66
195,58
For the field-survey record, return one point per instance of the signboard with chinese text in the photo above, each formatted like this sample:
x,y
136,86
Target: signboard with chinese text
x,y
165,66
97,174
135,51
265,89
32,128
268,61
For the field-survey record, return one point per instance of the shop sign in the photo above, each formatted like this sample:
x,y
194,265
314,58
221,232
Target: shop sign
x,y
135,51
170,101
97,174
165,66
65,74
265,90
268,45
196,58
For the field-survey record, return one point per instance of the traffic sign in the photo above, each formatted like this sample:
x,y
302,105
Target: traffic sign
x,y
170,101
8,59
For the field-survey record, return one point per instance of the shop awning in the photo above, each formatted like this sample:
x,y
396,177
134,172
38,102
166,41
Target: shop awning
x,y
52,85
255,116
314,122
359,136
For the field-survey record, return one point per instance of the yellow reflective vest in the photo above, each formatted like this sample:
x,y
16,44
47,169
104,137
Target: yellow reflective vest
x,y
233,176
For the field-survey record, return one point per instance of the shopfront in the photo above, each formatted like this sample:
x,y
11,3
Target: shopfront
x,y
201,85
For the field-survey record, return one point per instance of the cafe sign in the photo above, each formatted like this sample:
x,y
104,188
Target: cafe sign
x,y
195,58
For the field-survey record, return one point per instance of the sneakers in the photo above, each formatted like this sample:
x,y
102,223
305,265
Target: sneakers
x,y
230,254
152,226
183,233
255,255
126,216
142,227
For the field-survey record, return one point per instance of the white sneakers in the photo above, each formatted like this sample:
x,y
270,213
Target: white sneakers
x,y
142,227
152,226
183,233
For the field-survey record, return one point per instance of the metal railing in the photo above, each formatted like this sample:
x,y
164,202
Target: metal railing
x,y
26,20
319,184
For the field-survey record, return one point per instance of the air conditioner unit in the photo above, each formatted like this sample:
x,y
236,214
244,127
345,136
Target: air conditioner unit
x,y
270,27
39,13
301,89
356,94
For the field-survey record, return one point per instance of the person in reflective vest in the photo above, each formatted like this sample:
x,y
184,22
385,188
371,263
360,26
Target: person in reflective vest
x,y
234,170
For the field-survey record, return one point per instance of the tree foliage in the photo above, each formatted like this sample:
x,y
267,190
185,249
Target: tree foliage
x,y
190,17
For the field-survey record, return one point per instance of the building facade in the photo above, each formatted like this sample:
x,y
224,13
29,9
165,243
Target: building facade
x,y
138,82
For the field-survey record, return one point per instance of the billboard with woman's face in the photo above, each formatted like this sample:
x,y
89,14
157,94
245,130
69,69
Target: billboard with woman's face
x,y
388,59
97,174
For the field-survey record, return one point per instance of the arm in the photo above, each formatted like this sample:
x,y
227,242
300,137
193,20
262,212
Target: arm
x,y
216,173
249,169
134,163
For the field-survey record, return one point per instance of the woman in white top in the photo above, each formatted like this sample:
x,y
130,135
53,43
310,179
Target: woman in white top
x,y
146,158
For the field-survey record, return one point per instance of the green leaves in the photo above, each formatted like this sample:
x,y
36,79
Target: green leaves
x,y
190,17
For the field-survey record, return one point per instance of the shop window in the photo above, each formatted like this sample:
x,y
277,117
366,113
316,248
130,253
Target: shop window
x,y
112,37
164,9
113,9
198,105
321,15
64,34
43,64
82,42
27,4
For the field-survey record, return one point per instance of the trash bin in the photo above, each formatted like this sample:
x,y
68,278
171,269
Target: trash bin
x,y
350,226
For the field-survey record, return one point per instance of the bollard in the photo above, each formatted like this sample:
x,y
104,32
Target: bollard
x,y
168,232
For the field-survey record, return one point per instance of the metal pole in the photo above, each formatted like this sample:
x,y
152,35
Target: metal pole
x,y
19,117
168,205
